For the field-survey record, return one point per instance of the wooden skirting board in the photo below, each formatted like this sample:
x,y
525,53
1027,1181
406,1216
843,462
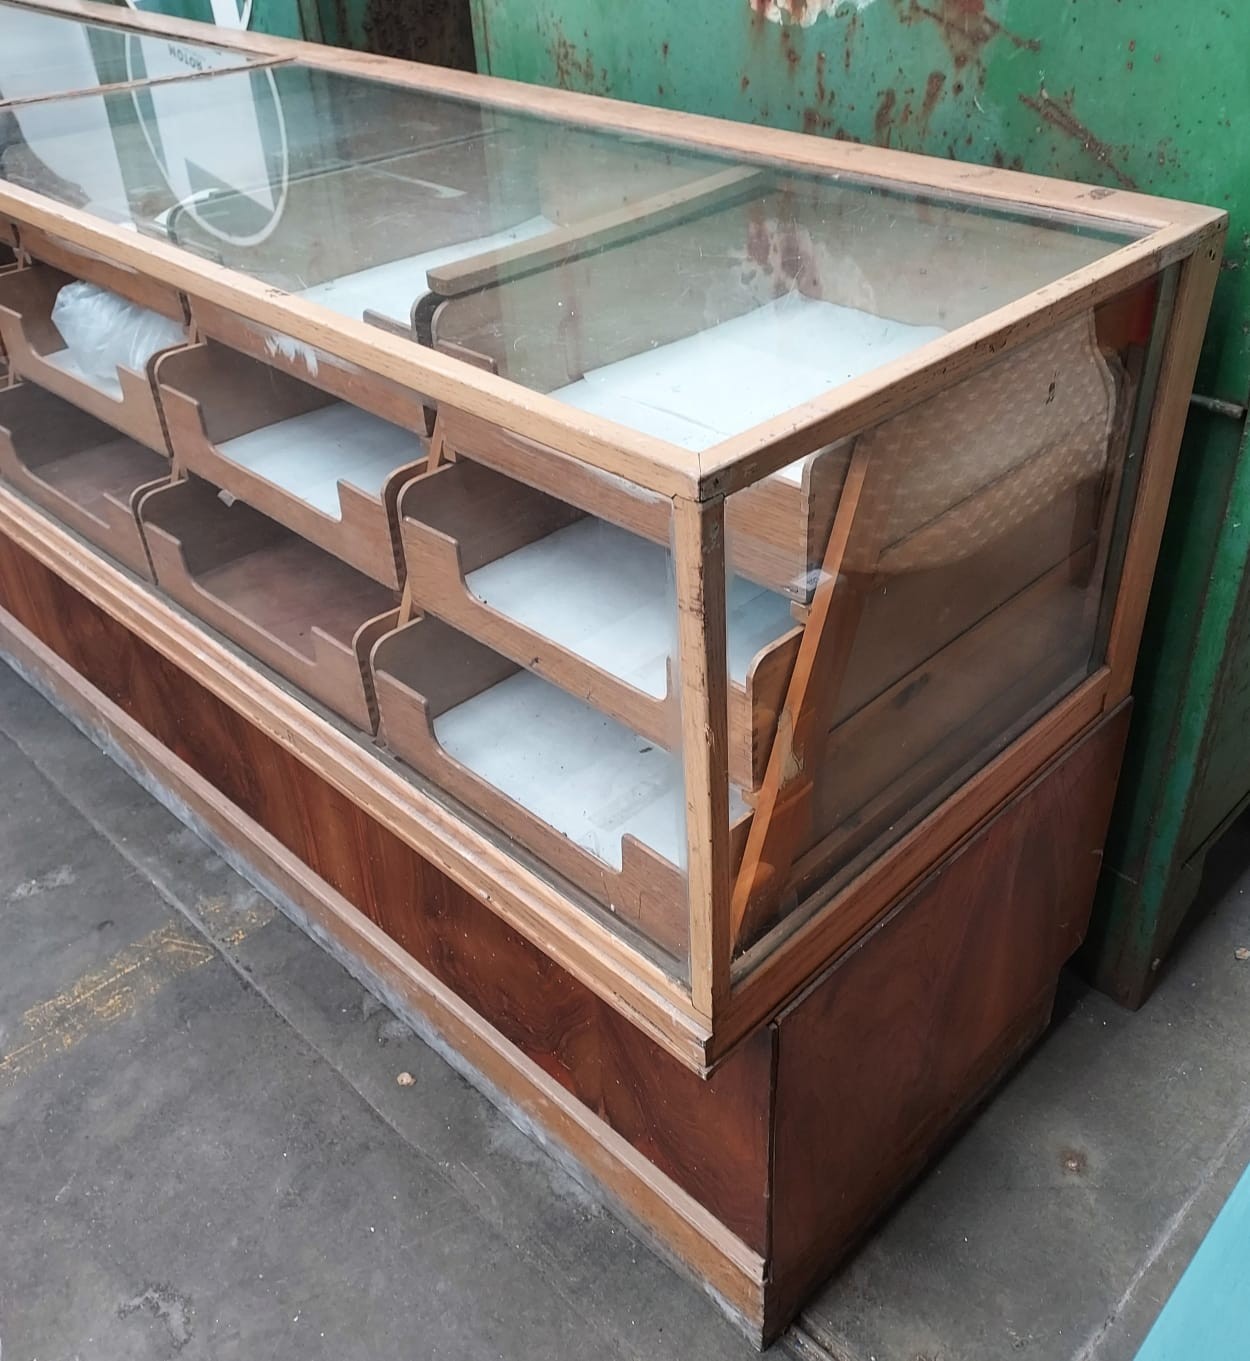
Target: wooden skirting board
x,y
752,1177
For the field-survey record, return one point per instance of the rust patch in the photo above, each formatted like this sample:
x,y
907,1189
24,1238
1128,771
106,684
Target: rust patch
x,y
883,118
575,69
965,27
815,121
848,43
1061,117
933,88
821,94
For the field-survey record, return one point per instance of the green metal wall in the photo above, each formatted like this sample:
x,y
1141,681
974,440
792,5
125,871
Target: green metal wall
x,y
1150,94
1133,94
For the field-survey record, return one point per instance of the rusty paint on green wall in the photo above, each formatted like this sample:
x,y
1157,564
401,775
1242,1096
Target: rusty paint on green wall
x,y
1102,92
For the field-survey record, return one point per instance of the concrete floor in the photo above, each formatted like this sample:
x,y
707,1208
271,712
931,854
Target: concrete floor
x,y
204,1152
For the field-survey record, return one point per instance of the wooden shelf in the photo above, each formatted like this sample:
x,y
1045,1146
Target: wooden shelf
x,y
78,469
584,603
299,610
598,803
37,353
326,469
776,530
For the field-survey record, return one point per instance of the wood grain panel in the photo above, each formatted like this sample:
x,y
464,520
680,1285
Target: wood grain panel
x,y
883,1055
710,1135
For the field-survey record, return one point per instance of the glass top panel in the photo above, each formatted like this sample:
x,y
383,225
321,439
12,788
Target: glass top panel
x,y
687,295
47,54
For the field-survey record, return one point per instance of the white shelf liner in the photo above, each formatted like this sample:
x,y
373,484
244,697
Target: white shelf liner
x,y
705,388
309,455
608,596
65,361
583,773
392,288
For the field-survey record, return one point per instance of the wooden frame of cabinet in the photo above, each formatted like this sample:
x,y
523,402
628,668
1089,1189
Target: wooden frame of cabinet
x,y
741,1020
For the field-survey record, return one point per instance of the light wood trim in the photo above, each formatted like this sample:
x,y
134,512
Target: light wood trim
x,y
604,444
597,956
255,63
773,971
40,248
597,233
896,170
782,809
699,561
1171,409
855,406
497,1068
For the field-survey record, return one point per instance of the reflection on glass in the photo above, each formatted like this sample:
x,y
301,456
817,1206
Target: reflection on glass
x,y
949,571
679,293
44,54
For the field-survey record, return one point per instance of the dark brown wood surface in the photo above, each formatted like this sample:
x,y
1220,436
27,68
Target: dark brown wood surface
x,y
880,1057
711,1136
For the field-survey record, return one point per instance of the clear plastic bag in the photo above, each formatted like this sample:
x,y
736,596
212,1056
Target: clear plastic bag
x,y
104,332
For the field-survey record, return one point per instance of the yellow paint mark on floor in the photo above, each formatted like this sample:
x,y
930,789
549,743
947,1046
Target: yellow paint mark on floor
x,y
230,922
122,986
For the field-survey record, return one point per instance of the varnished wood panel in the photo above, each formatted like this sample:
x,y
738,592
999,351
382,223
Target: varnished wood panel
x,y
881,1057
711,1136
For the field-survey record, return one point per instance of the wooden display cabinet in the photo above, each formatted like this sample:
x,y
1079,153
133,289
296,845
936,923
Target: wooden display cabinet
x,y
682,585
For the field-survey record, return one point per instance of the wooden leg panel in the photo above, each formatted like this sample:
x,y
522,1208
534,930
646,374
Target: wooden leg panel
x,y
882,1057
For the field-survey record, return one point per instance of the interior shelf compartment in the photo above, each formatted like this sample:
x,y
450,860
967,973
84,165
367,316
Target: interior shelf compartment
x,y
775,530
38,353
586,604
321,466
382,397
598,803
79,263
299,610
78,469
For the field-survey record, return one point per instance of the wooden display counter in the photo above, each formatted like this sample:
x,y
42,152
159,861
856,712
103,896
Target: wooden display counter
x,y
662,608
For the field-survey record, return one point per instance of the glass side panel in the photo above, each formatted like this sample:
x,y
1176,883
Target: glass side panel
x,y
926,591
687,295
46,54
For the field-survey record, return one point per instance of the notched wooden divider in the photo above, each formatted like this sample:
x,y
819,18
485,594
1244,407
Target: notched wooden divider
x,y
775,530
38,353
586,604
597,803
299,610
85,473
326,469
